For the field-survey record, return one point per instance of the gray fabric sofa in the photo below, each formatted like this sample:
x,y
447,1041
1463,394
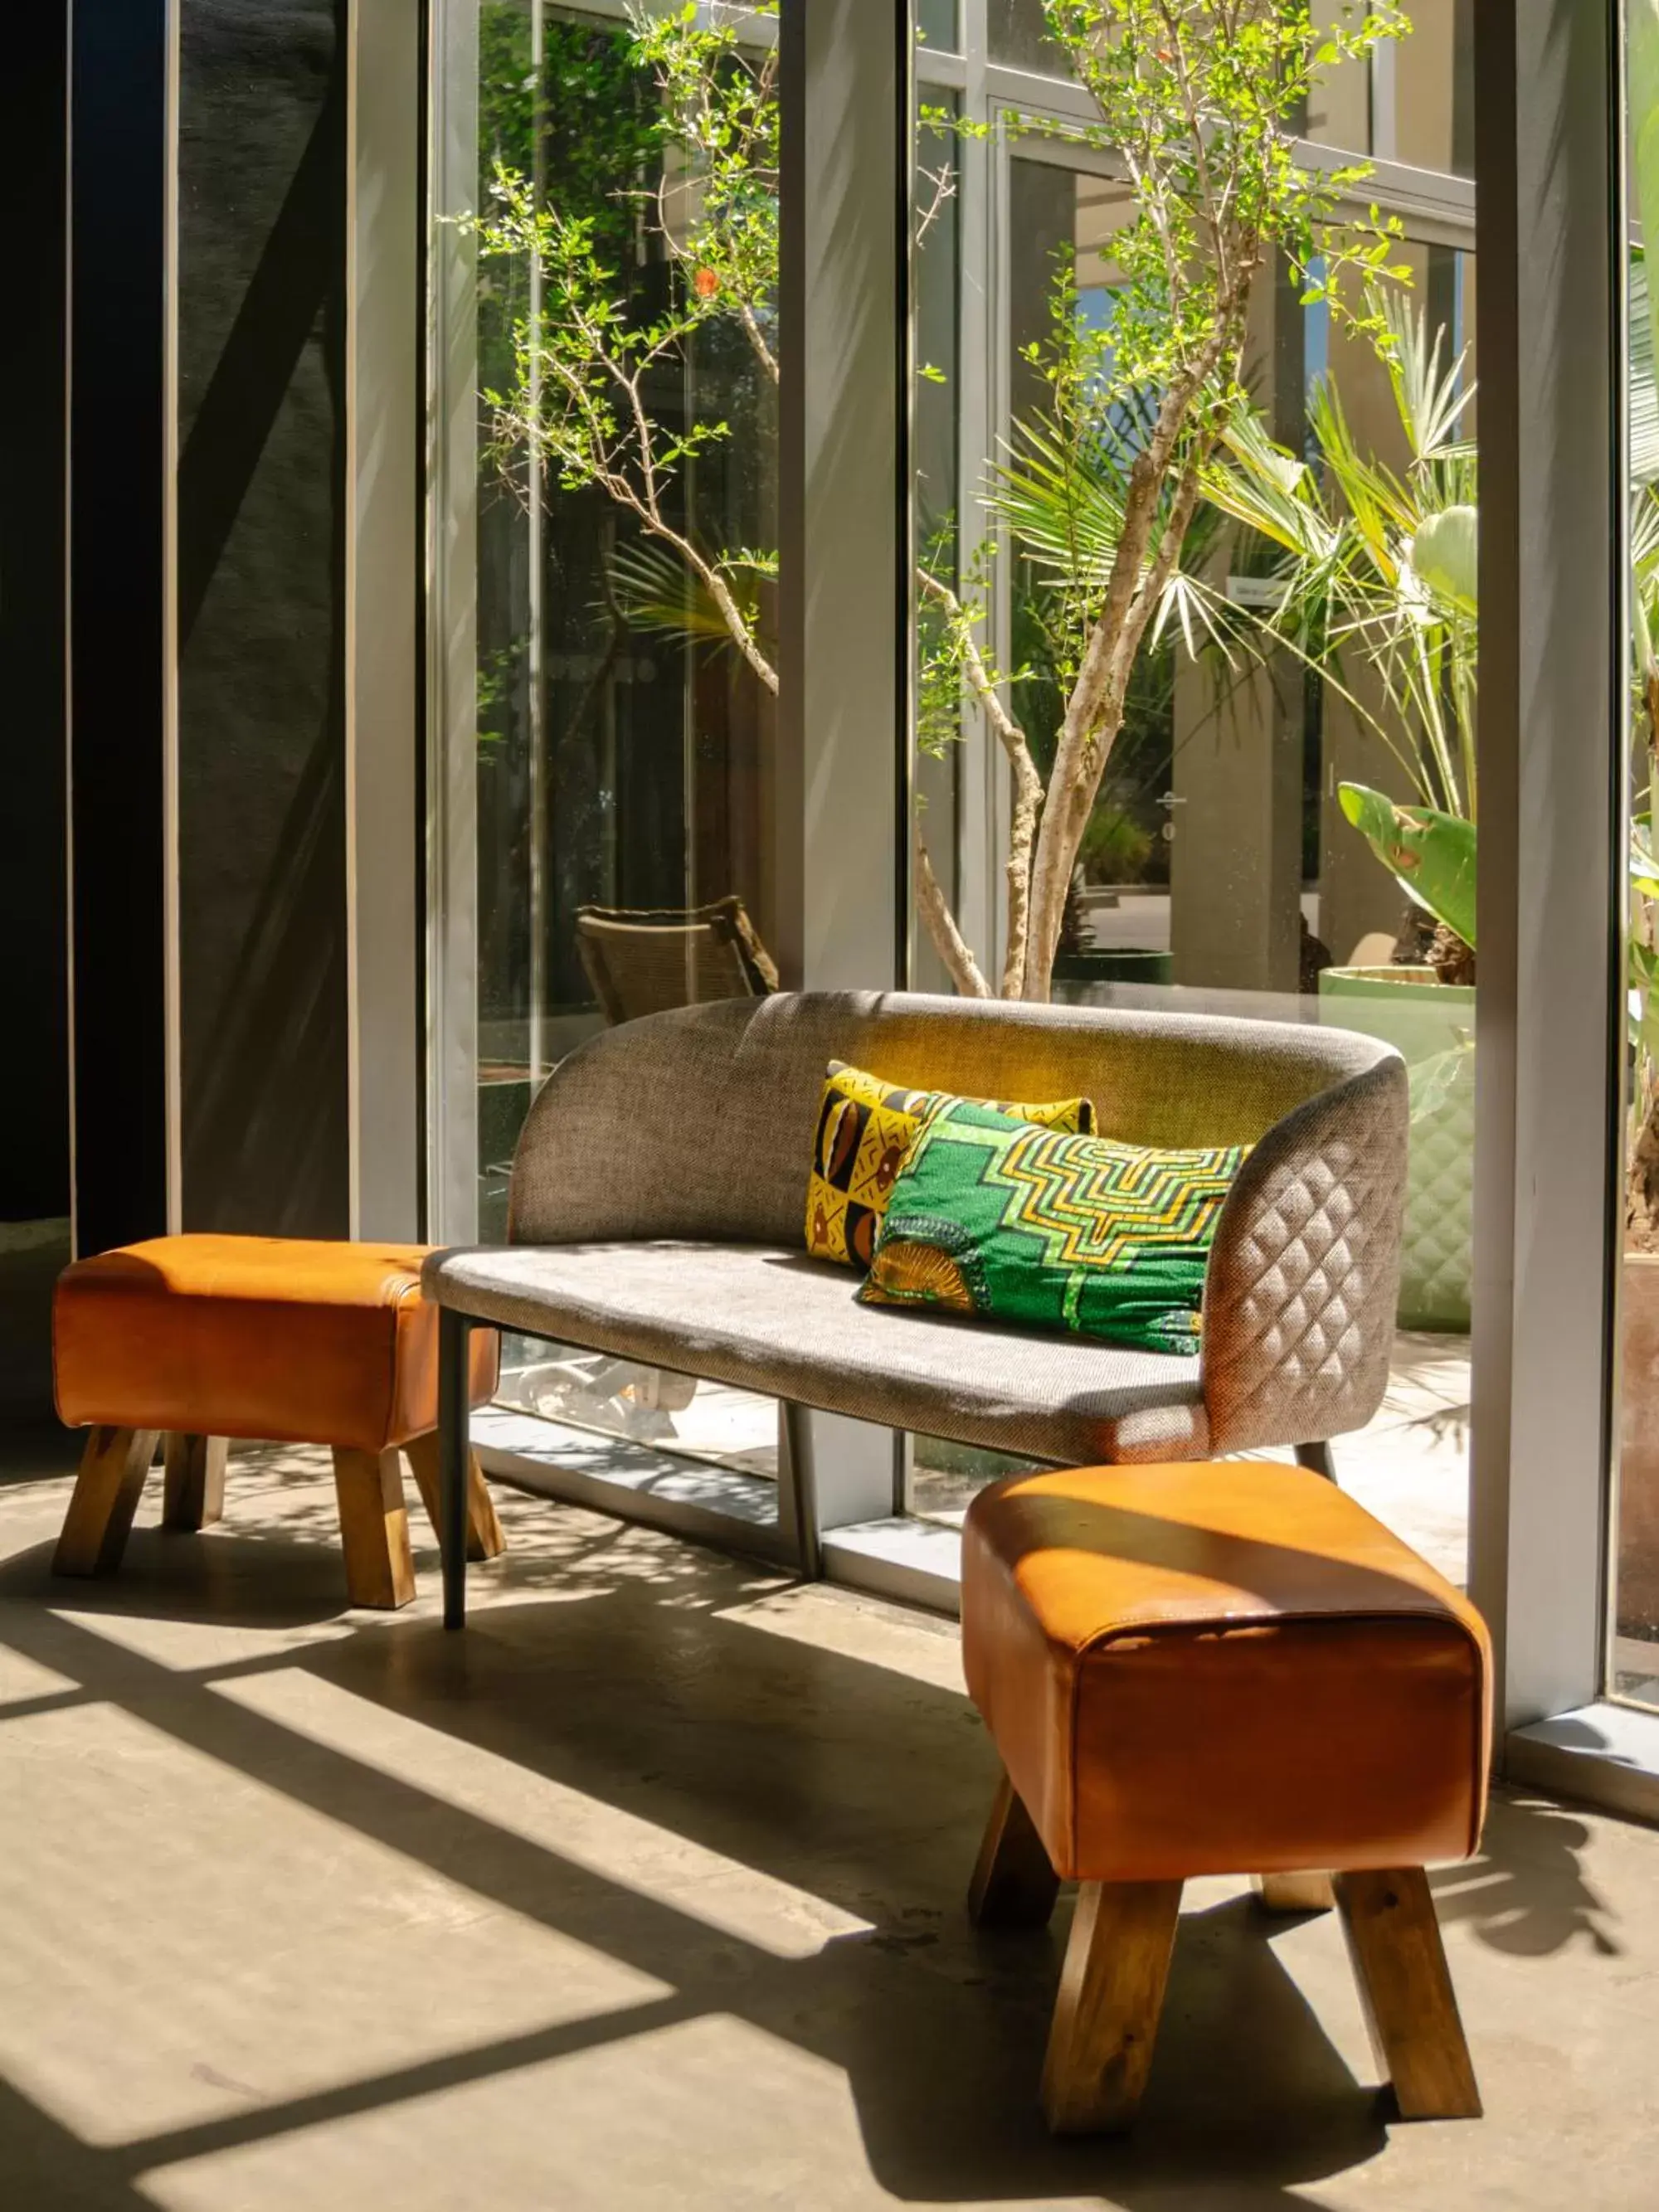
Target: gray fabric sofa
x,y
657,1214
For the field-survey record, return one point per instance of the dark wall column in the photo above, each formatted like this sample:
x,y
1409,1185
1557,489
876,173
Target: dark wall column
x,y
208,520
35,1171
34,896
264,1083
117,638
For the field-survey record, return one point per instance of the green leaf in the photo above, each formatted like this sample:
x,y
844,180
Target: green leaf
x,y
1431,854
1443,552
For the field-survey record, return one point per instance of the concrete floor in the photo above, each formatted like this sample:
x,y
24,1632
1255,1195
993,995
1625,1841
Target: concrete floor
x,y
647,1892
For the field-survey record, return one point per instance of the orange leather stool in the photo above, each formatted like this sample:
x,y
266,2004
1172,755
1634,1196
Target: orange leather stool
x,y
201,1339
1221,1669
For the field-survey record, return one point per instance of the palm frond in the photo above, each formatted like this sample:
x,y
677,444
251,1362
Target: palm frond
x,y
1061,498
1431,393
655,591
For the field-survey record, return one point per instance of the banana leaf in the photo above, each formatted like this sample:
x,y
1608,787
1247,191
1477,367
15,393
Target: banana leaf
x,y
1431,854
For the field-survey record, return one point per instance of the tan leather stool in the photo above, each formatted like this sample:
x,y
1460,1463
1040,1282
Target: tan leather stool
x,y
206,1338
1221,1669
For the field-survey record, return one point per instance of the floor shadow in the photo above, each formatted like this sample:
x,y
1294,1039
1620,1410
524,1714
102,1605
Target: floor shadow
x,y
1249,2097
37,1451
658,1687
46,2169
1524,1891
648,1696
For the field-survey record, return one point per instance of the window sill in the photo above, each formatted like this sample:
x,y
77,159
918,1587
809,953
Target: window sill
x,y
1603,1754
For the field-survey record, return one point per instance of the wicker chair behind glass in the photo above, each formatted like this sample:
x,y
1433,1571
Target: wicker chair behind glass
x,y
645,960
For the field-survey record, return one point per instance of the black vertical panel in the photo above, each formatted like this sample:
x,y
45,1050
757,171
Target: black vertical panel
x,y
117,215
263,978
34,903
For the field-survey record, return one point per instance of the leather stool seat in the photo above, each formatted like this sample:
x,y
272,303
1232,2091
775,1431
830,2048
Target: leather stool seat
x,y
1219,1669
285,1340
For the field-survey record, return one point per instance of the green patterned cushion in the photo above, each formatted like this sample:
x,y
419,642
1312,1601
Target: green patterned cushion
x,y
996,1217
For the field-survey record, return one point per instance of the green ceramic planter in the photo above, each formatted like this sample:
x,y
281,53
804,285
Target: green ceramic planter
x,y
1431,1025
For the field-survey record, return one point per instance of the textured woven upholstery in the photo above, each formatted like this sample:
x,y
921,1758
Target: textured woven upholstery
x,y
766,1318
695,1126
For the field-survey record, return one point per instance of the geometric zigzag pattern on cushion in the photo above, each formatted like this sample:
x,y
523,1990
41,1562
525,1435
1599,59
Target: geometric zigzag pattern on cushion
x,y
1032,1226
865,1128
1100,1202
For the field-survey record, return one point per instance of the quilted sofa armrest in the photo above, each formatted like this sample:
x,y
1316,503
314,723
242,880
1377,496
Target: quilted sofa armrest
x,y
1304,1271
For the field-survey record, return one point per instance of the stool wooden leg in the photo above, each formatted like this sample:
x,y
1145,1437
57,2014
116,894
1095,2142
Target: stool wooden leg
x,y
1013,1886
373,1527
484,1539
1111,1992
1399,1963
193,1484
1295,1892
106,1492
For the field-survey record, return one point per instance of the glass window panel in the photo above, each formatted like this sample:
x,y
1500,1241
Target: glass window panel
x,y
1433,92
1413,102
624,755
1220,870
935,506
1340,105
936,25
1016,34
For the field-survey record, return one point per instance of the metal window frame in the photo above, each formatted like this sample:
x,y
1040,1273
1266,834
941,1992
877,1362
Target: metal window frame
x,y
1549,135
382,592
450,811
844,720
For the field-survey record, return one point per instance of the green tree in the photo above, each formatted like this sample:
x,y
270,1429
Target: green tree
x,y
1198,101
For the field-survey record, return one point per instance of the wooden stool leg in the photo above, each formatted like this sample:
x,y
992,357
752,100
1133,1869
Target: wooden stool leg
x,y
193,1484
1393,1939
1295,1892
106,1492
484,1539
1111,1992
373,1527
1013,1886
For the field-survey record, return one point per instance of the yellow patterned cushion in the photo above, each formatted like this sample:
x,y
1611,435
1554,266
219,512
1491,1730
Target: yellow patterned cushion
x,y
865,1127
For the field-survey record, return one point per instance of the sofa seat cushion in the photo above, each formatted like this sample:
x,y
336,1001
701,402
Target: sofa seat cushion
x,y
764,1317
285,1339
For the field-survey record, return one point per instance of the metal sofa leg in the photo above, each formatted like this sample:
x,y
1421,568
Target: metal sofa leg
x,y
798,1501
1318,1457
454,1456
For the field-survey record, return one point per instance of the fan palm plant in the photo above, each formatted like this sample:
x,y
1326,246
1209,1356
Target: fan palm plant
x,y
1377,570
1377,589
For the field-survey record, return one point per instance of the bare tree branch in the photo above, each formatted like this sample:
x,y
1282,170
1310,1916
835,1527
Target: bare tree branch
x,y
1028,784
948,941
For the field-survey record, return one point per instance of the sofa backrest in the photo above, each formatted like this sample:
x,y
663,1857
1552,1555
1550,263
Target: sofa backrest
x,y
698,1123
